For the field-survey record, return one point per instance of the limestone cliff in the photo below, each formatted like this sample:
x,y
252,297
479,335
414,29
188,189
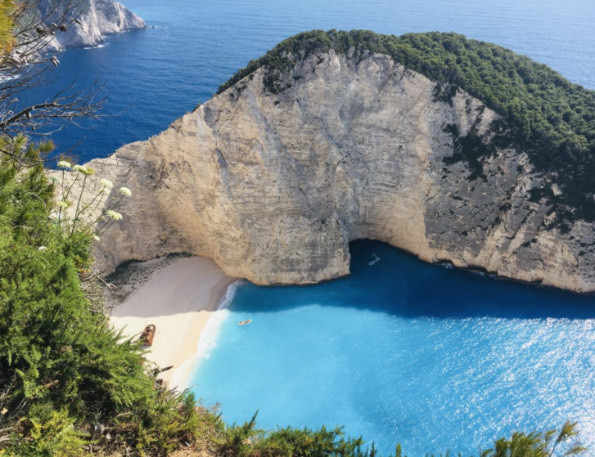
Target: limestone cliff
x,y
273,186
94,20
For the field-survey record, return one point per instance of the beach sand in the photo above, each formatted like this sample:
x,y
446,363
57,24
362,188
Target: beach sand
x,y
178,296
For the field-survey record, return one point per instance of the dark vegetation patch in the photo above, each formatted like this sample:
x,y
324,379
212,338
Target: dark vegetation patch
x,y
444,93
544,115
472,150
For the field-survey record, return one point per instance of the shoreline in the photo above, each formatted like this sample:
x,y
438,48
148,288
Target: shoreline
x,y
178,297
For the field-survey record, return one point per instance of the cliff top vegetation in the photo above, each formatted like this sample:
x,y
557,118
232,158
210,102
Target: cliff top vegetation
x,y
544,115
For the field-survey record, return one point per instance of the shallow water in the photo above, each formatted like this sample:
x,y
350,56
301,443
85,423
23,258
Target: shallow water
x,y
434,358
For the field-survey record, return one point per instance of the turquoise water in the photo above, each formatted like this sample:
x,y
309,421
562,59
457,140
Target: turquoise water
x,y
154,76
434,358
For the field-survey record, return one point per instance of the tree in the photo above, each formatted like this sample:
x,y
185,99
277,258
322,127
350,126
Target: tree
x,y
26,61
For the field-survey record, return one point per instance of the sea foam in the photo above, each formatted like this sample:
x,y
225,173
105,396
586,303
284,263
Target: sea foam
x,y
210,333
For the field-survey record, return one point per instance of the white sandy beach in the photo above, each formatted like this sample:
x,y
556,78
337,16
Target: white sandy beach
x,y
178,299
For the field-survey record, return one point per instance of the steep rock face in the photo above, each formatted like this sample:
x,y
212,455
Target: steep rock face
x,y
96,18
273,187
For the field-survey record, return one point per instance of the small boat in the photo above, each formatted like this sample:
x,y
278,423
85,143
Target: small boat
x,y
247,321
148,334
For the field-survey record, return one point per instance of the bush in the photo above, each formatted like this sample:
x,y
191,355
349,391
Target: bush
x,y
66,369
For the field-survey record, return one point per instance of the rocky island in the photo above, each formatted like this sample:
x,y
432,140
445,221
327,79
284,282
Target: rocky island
x,y
452,149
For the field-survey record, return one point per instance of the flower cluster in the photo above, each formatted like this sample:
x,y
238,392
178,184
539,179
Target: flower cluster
x,y
85,213
106,183
125,191
87,171
113,215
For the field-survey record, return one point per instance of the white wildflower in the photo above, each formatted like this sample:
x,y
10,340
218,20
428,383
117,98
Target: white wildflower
x,y
84,170
64,165
41,248
107,183
96,238
63,204
126,191
54,216
106,191
113,215
54,180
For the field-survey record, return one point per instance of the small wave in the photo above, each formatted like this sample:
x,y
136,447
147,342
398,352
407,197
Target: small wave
x,y
5,79
231,292
375,261
208,337
99,46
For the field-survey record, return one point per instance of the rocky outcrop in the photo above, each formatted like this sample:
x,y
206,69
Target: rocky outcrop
x,y
94,20
273,187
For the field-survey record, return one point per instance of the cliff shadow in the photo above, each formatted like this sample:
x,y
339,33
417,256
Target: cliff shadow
x,y
386,279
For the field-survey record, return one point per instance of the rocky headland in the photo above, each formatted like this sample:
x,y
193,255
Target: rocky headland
x,y
329,139
88,21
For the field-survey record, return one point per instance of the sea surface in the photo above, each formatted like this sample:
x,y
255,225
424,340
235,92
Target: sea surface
x,y
401,351
431,357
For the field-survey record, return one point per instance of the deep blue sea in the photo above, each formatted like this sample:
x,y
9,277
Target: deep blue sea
x,y
402,351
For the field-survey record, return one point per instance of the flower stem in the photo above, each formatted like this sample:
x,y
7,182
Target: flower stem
x,y
78,204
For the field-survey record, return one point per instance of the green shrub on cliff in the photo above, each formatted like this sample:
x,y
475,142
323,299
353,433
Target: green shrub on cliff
x,y
245,441
545,115
66,378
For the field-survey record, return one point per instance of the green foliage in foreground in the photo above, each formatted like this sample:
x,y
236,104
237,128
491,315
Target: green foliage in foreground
x,y
66,378
70,386
545,115
246,441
